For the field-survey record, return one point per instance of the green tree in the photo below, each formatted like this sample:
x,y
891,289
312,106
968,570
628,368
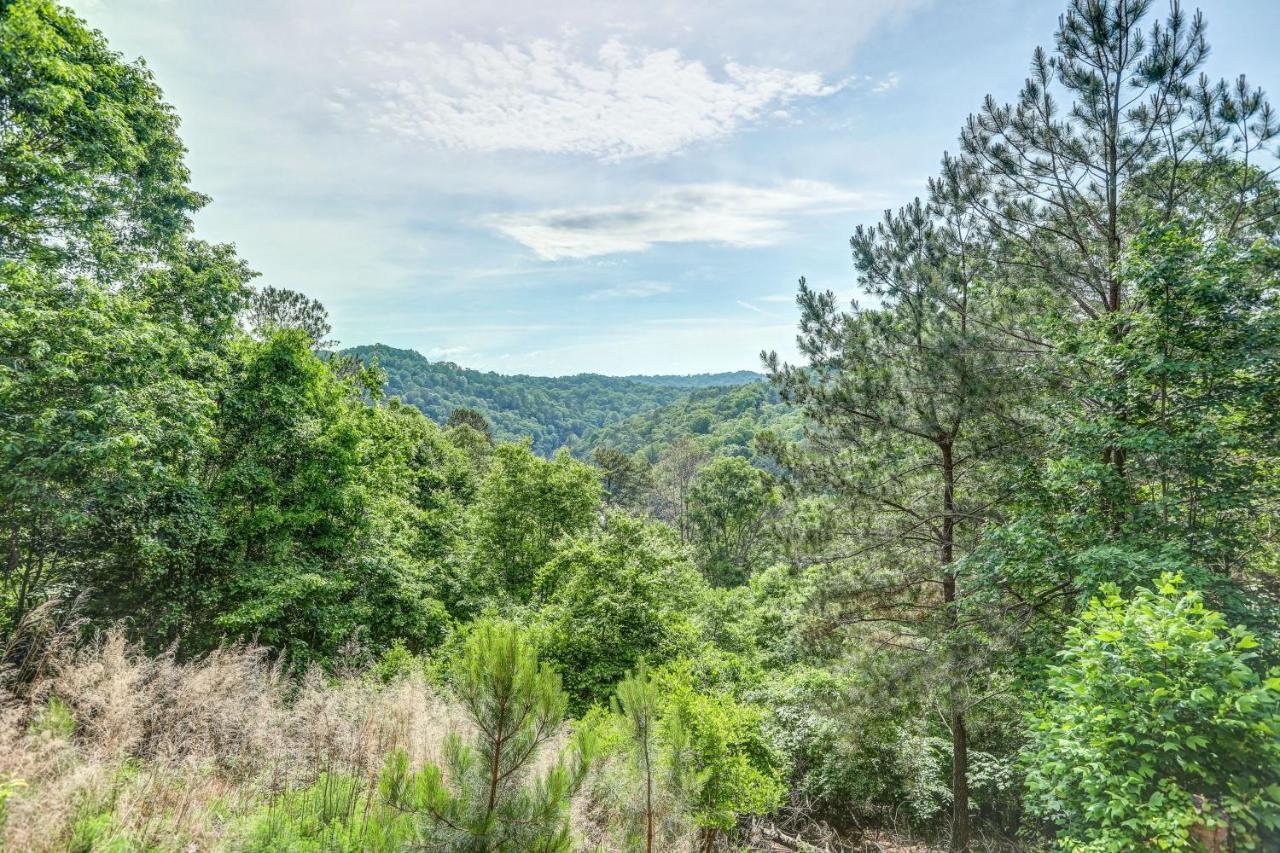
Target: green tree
x,y
316,496
1113,126
624,479
102,445
523,507
92,176
660,781
200,289
1189,394
275,308
638,703
470,418
494,799
612,597
719,756
731,504
912,407
1195,412
673,476
1157,731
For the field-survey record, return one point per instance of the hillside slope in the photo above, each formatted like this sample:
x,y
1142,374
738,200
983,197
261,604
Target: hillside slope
x,y
551,410
720,420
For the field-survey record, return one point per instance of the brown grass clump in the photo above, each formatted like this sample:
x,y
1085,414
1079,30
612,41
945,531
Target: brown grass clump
x,y
110,745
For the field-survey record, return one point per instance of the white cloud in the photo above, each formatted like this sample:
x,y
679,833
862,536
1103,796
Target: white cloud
x,y
696,213
888,84
636,290
749,306
547,97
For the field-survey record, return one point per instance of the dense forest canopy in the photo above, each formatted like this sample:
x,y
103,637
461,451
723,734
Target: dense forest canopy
x,y
553,411
992,565
720,420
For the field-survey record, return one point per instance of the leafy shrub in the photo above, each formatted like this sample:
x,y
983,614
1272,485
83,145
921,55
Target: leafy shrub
x,y
720,743
1157,729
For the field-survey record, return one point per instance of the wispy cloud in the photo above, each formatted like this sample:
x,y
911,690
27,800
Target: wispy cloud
x,y
446,353
694,213
636,290
618,102
888,84
749,306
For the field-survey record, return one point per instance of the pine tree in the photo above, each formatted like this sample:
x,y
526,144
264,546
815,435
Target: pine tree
x,y
493,799
910,406
637,703
280,308
625,480
1115,124
464,416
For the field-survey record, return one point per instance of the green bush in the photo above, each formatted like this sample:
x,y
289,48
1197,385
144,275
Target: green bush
x,y
1156,729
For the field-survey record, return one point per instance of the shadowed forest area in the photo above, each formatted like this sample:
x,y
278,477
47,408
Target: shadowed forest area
x,y
993,565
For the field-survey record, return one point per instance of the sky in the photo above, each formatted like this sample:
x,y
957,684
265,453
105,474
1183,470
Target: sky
x,y
553,187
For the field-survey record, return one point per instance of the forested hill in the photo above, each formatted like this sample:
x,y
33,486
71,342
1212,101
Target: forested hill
x,y
551,410
720,421
699,380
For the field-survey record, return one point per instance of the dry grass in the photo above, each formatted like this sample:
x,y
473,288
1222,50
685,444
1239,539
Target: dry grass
x,y
111,745
108,748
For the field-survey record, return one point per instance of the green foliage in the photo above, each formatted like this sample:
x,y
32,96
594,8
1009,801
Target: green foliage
x,y
312,545
55,720
731,505
638,705
275,308
1170,461
470,418
718,420
719,753
625,479
524,505
335,814
549,411
1199,394
494,799
1156,723
91,168
685,761
105,433
612,597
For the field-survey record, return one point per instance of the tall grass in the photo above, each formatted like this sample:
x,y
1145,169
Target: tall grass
x,y
107,748
103,747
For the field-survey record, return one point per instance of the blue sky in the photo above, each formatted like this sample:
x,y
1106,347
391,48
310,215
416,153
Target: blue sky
x,y
560,187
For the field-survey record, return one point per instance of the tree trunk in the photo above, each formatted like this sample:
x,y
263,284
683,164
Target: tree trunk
x,y
959,779
648,790
959,735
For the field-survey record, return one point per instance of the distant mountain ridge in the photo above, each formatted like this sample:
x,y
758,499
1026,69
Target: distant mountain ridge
x,y
553,411
698,380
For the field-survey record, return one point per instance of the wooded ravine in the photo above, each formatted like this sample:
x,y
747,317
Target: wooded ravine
x,y
992,565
